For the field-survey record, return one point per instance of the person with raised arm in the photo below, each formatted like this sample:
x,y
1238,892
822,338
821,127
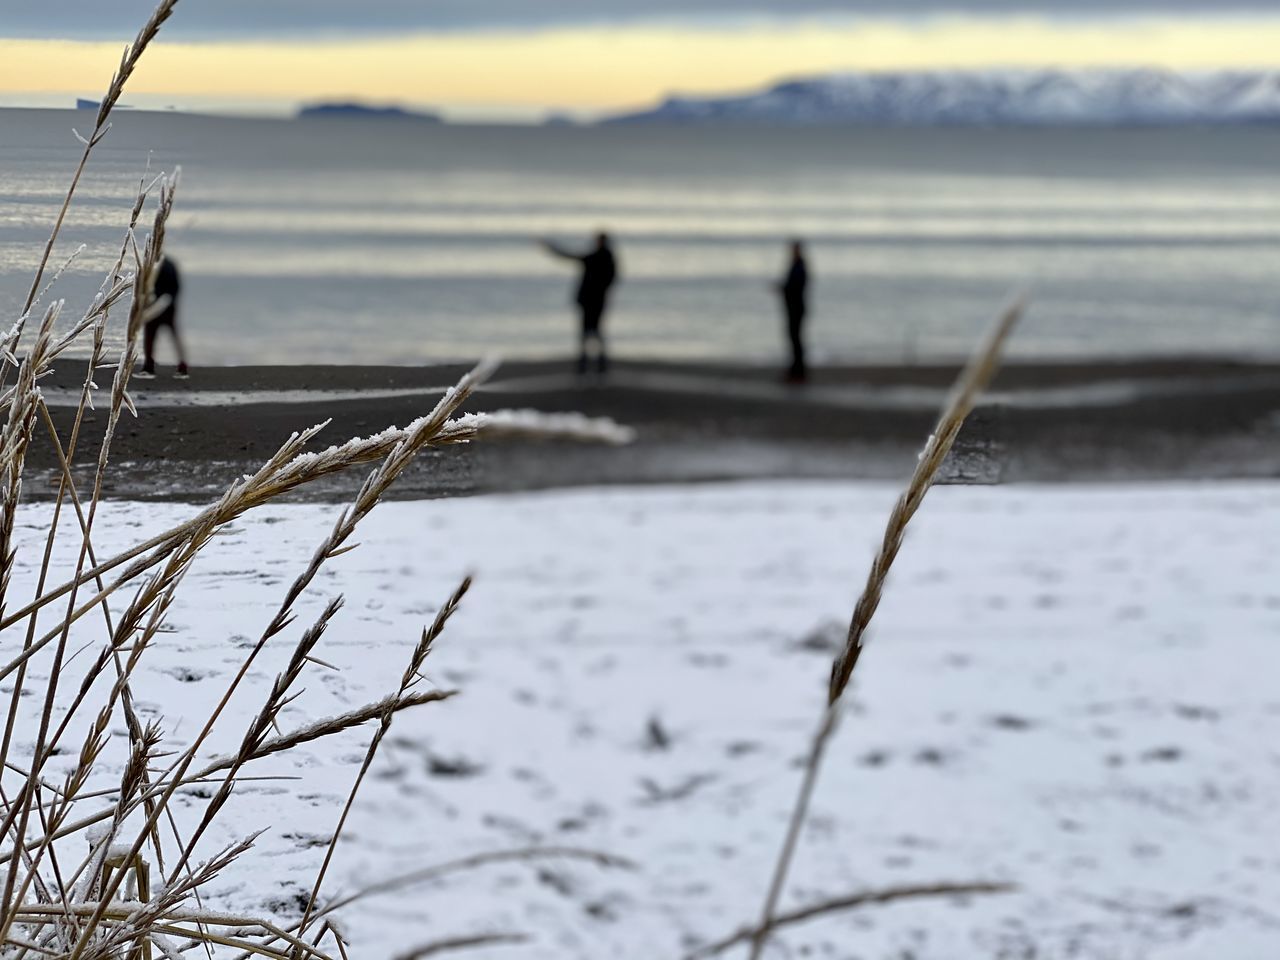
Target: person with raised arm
x,y
599,271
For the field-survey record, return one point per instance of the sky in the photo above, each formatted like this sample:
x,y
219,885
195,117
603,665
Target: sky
x,y
517,59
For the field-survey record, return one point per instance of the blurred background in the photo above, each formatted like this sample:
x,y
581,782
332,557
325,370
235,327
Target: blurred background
x,y
1120,159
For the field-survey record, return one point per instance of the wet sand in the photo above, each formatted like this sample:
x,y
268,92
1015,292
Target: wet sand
x,y
1042,422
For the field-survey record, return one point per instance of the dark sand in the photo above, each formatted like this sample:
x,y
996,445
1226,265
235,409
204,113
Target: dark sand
x,y
1044,422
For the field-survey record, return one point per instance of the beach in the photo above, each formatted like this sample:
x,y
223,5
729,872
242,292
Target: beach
x,y
1068,690
1129,421
1063,705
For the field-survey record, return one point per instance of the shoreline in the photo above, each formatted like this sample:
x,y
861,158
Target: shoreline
x,y
1041,422
1014,373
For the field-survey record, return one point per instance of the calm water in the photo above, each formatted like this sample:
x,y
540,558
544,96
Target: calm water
x,y
367,241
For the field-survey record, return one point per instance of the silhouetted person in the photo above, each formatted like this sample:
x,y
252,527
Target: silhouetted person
x,y
165,287
794,291
599,271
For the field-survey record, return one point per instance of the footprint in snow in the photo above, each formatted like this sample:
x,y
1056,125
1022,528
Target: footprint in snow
x,y
655,793
190,674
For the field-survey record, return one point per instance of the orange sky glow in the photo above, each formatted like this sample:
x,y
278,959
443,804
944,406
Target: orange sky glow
x,y
603,68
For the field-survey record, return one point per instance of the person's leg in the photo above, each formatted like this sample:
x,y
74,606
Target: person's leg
x,y
792,342
149,346
584,333
802,368
597,334
182,354
797,370
590,334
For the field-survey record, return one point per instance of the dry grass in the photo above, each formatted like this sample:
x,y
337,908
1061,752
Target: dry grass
x,y
851,902
969,385
93,864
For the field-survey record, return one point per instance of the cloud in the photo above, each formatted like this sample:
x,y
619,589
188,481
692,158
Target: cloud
x,y
281,18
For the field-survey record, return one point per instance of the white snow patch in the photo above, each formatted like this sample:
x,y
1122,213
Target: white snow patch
x,y
1071,689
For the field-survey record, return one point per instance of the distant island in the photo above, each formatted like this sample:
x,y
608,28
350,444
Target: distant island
x,y
366,110
1049,97
83,104
559,120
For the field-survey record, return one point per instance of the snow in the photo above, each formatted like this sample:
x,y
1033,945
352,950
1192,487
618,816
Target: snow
x,y
1067,688
1029,96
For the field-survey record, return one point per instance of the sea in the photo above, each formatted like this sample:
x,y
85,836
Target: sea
x,y
367,241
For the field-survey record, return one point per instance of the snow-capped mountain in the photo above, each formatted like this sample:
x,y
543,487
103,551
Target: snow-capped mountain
x,y
992,97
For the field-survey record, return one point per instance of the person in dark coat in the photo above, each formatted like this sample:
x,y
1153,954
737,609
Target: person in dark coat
x,y
794,290
164,314
599,271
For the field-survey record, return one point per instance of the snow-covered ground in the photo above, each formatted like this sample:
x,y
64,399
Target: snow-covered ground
x,y
1071,689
